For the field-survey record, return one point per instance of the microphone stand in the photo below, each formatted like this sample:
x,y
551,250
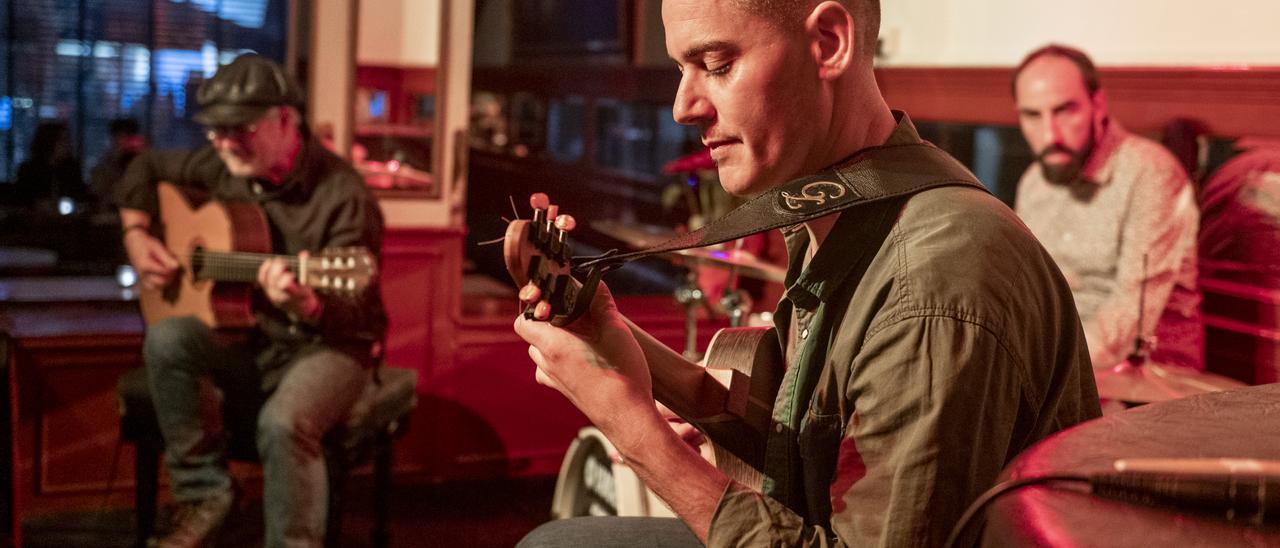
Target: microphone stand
x,y
1142,345
690,296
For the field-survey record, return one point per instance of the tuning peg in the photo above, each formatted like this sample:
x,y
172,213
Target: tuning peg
x,y
542,311
539,201
566,223
530,293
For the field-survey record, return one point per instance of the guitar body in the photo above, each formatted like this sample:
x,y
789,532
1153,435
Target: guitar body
x,y
748,362
212,226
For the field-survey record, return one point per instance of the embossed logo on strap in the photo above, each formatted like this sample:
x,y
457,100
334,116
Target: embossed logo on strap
x,y
812,195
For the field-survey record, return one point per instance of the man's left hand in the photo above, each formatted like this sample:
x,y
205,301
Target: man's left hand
x,y
596,363
283,290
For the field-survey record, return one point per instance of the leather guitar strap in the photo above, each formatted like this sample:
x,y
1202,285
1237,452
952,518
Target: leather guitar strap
x,y
871,175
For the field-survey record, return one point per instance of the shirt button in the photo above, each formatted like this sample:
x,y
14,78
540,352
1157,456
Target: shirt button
x,y
777,428
257,188
804,334
293,330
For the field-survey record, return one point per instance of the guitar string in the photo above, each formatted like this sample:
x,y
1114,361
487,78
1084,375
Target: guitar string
x,y
234,266
238,266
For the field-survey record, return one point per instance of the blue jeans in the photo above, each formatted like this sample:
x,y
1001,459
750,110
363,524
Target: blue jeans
x,y
612,532
314,394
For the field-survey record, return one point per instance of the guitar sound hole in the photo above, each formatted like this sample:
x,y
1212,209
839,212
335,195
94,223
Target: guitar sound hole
x,y
197,263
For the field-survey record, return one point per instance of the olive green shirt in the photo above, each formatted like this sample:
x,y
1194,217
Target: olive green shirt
x,y
933,340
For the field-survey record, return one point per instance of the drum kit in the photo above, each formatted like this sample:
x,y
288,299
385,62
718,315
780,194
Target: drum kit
x,y
733,302
1139,380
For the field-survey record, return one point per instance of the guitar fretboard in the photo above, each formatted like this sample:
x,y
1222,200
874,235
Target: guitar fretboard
x,y
222,266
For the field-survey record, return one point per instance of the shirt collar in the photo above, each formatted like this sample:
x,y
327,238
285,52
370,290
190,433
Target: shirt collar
x,y
843,250
1099,168
299,179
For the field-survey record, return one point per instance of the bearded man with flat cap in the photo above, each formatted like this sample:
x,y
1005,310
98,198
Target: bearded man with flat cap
x,y
1116,211
300,370
928,338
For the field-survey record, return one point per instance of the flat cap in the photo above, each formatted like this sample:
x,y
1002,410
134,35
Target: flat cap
x,y
242,91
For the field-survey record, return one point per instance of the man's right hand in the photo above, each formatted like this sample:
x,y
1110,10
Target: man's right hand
x,y
153,262
687,432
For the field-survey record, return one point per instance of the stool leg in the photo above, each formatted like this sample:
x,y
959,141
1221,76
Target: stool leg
x,y
381,489
335,464
146,472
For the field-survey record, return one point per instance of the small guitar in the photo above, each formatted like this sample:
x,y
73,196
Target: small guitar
x,y
730,399
220,246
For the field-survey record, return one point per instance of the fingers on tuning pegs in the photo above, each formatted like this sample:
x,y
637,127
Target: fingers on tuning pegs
x,y
542,311
530,293
566,223
539,200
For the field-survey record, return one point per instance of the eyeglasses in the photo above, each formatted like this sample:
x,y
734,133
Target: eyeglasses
x,y
237,133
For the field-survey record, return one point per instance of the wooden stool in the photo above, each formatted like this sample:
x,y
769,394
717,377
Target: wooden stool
x,y
377,418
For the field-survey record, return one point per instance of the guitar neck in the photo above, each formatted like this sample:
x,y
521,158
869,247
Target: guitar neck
x,y
233,266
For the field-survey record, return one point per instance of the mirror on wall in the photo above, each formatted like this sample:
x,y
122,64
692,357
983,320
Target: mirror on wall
x,y
394,102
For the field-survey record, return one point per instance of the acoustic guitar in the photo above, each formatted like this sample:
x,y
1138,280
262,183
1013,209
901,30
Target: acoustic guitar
x,y
730,398
220,246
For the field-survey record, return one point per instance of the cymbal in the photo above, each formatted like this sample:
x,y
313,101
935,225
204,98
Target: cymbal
x,y
747,264
1152,382
641,236
638,236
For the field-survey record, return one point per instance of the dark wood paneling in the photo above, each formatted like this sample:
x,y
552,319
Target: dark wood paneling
x,y
490,418
1232,101
657,85
1242,330
10,526
421,281
68,417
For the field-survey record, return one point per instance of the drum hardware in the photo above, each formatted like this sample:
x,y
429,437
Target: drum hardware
x,y
1138,379
593,483
734,302
690,296
737,303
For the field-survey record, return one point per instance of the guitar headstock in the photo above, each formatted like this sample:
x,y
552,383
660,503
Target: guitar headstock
x,y
537,255
339,270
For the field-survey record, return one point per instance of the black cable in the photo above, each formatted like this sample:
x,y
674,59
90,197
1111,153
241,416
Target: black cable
x,y
1000,489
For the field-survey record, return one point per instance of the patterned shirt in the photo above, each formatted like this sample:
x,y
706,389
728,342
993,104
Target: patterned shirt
x,y
933,341
1134,205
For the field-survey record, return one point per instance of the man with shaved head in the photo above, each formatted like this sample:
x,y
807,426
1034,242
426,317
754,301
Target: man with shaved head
x,y
928,338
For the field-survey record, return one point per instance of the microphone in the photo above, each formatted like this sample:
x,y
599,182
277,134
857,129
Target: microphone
x,y
1238,489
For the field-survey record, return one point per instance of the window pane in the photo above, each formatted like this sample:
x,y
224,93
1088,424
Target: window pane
x,y
638,138
86,62
6,100
566,124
